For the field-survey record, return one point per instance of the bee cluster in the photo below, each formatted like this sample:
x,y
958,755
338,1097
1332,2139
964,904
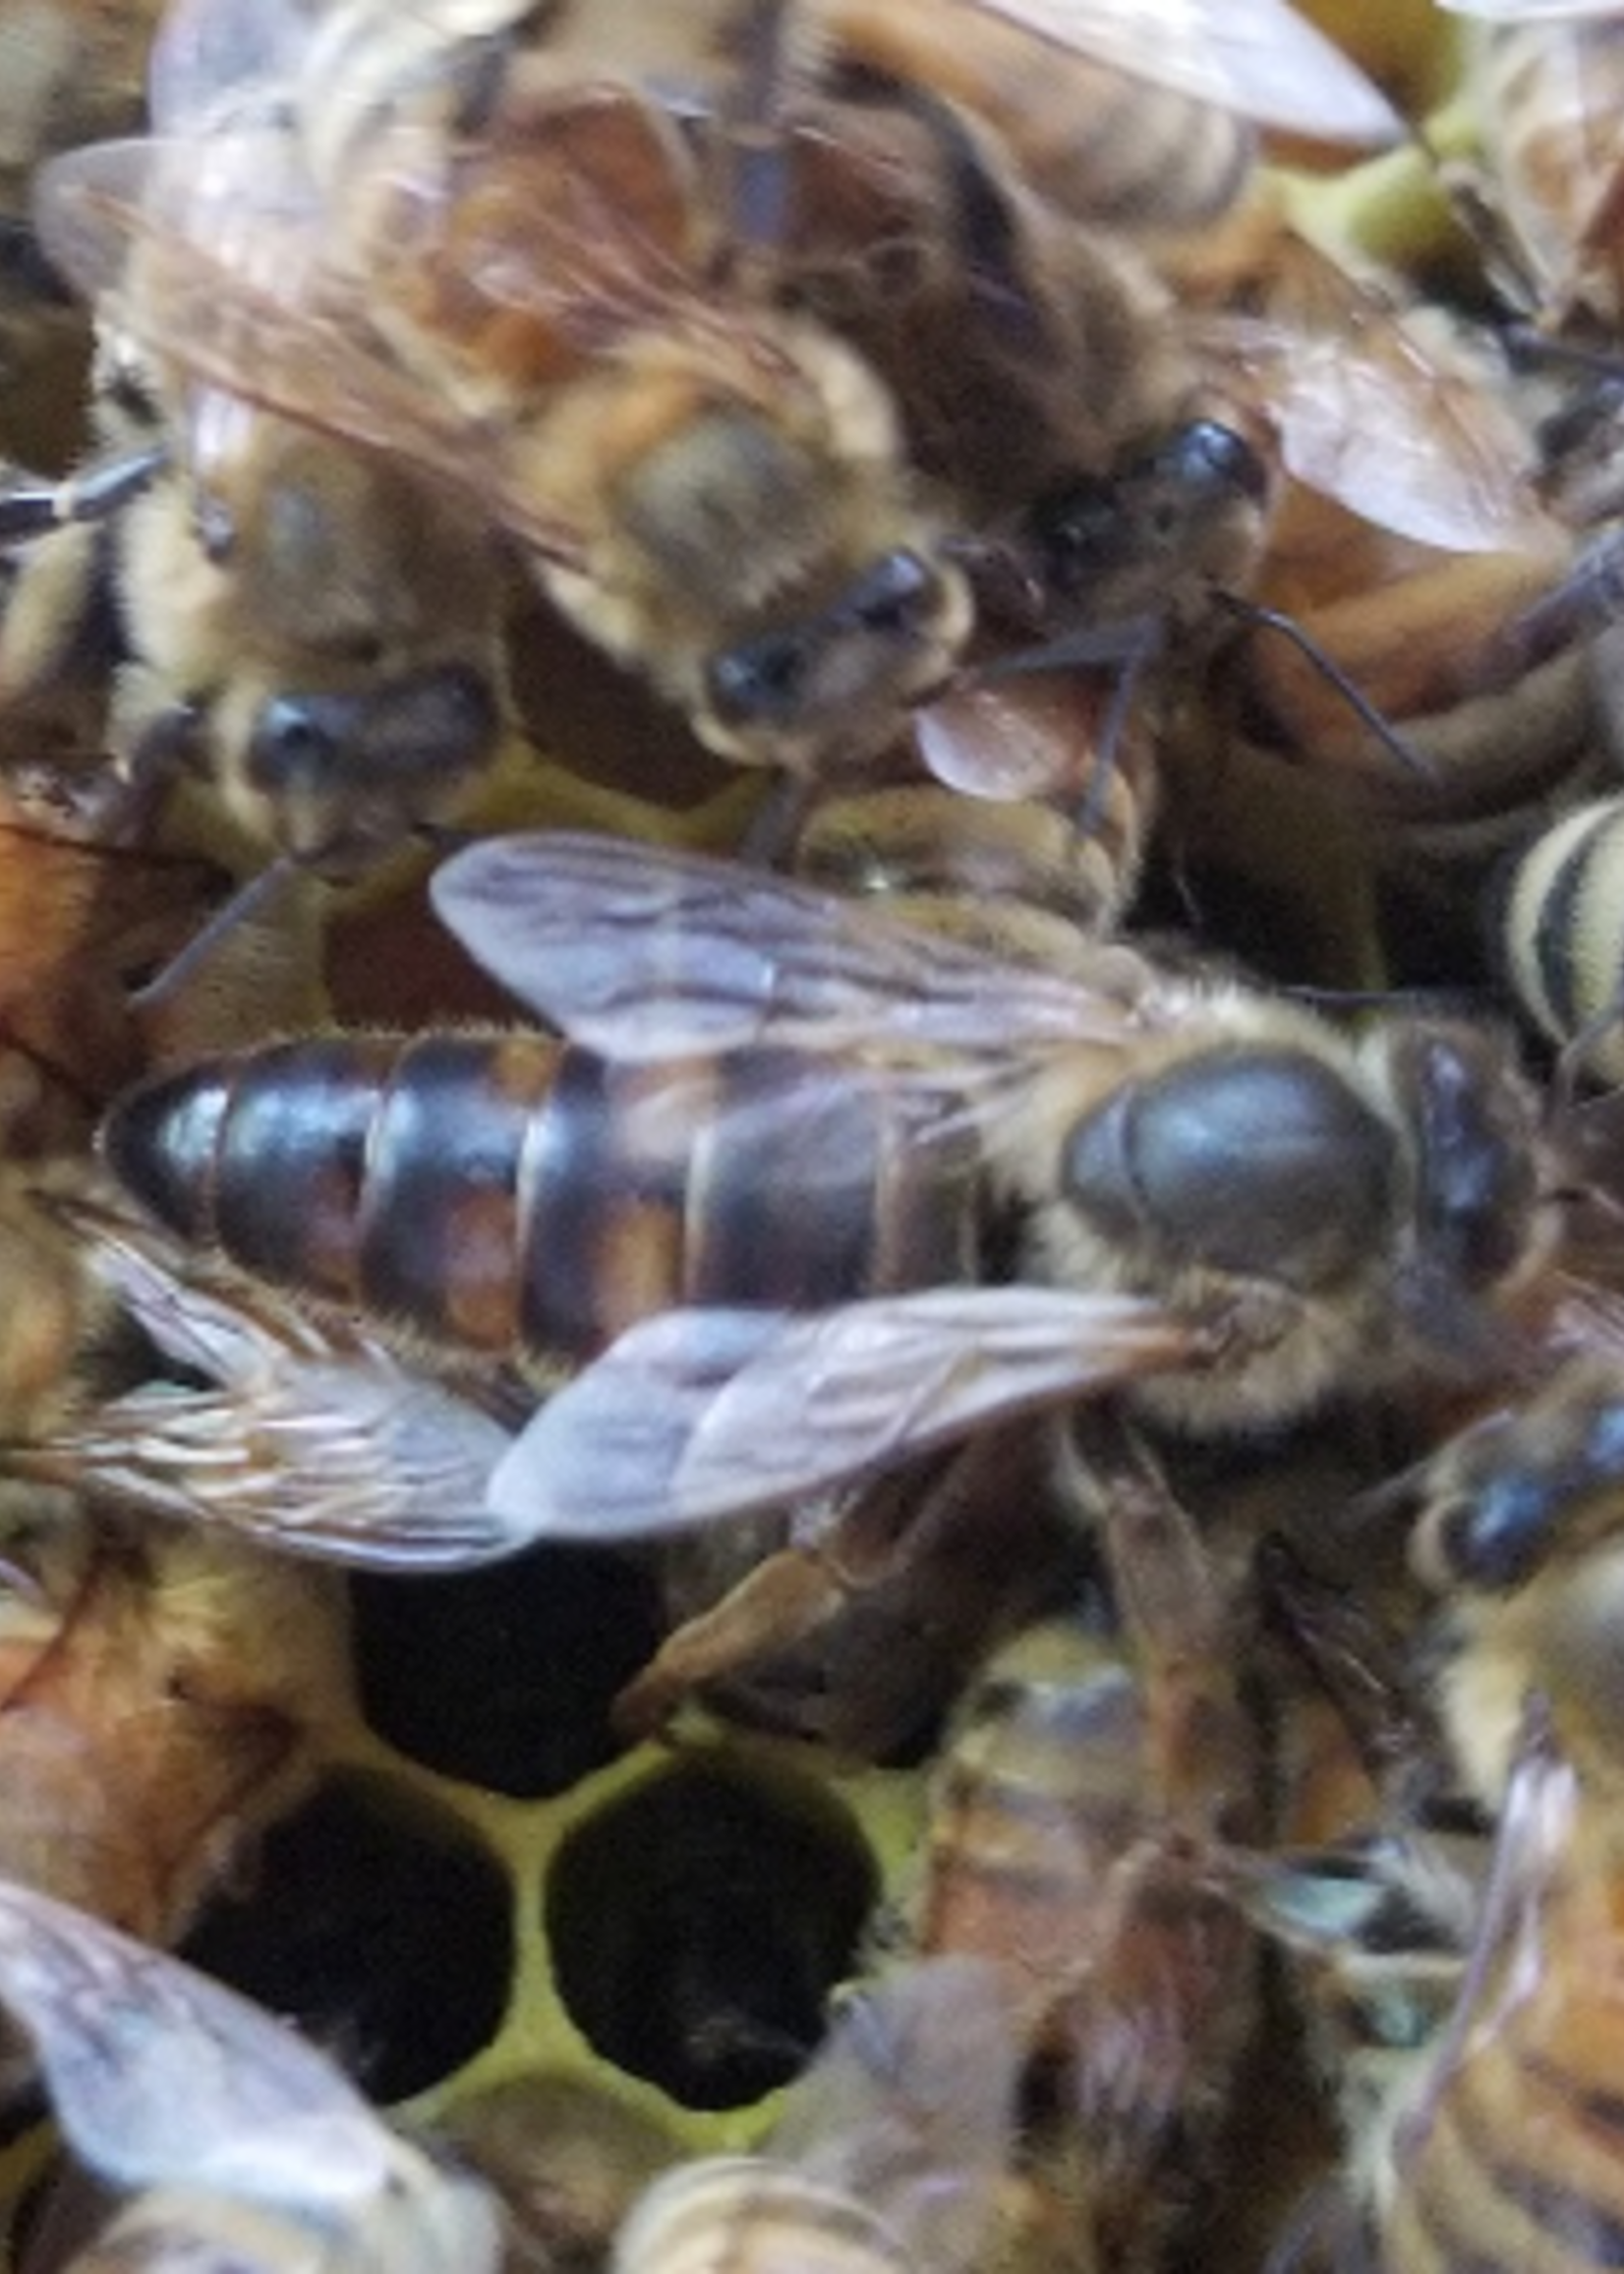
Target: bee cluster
x,y
927,1579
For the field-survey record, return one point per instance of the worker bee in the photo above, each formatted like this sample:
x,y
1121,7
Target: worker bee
x,y
1557,939
163,1691
1548,92
237,2142
84,914
582,269
1499,2120
312,632
1201,1183
566,2158
891,2148
1492,2149
1076,1809
73,73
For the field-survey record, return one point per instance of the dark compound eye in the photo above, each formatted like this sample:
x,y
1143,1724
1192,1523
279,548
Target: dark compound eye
x,y
762,679
1263,1162
839,655
1208,457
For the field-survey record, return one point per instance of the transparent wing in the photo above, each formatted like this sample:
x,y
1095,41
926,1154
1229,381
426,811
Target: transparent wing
x,y
232,294
1258,58
159,2075
316,1440
703,1414
1369,416
640,953
211,53
910,2105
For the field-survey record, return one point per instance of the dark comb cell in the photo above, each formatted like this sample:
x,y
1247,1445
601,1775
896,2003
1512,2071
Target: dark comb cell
x,y
505,1677
698,1924
380,1925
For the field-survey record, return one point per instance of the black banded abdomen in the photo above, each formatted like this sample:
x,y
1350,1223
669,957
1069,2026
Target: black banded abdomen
x,y
513,1196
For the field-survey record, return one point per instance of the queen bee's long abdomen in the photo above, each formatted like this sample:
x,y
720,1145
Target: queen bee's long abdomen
x,y
508,1195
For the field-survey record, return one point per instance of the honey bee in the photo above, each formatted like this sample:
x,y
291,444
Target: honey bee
x,y
1549,91
162,1695
312,632
588,290
1076,1813
237,2142
83,914
1557,939
73,73
890,2151
1495,2148
566,2159
1203,1184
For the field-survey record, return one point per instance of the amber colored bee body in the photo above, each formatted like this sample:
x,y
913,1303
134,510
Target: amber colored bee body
x,y
314,635
149,1724
811,1135
509,1195
1031,876
1076,1811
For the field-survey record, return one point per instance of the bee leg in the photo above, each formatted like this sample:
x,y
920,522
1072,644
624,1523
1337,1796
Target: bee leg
x,y
32,508
255,969
754,190
1181,1619
1360,1667
775,1605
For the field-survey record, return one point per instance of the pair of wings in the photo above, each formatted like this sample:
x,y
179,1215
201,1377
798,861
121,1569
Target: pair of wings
x,y
324,1442
211,244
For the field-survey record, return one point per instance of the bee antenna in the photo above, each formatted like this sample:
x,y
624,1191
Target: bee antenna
x,y
162,991
1259,618
754,191
31,508
1132,641
1531,349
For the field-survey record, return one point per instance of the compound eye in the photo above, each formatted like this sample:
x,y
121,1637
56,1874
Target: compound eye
x,y
443,721
1208,455
899,596
1260,1162
858,648
761,681
299,736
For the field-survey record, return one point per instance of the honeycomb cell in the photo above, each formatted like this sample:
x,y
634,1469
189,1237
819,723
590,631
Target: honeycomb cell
x,y
503,1677
377,1923
698,1923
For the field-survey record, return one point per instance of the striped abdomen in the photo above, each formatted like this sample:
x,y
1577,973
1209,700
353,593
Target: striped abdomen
x,y
1036,1795
1036,878
746,2216
1561,932
508,1195
1513,2161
